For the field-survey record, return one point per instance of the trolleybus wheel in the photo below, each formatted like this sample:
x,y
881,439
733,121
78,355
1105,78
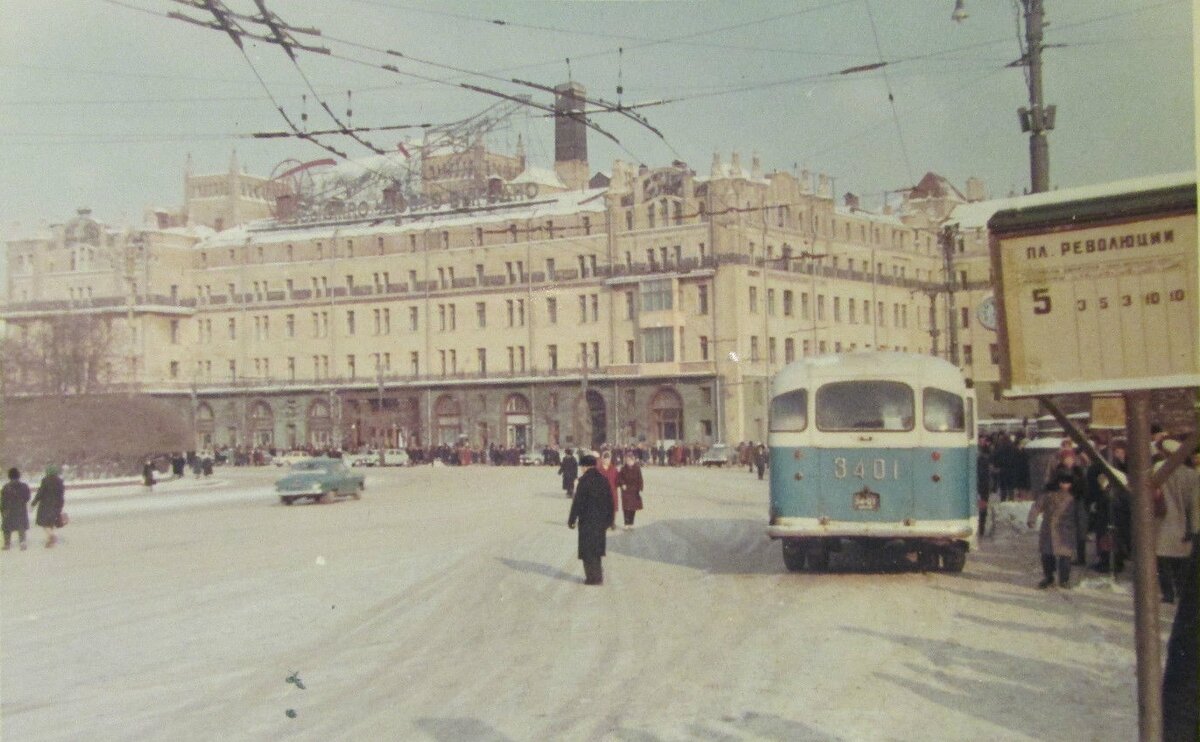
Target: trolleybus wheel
x,y
793,555
954,559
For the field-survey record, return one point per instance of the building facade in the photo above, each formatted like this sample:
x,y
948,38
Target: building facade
x,y
656,308
500,303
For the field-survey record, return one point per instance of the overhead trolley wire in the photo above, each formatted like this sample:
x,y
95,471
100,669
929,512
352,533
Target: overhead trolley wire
x,y
891,98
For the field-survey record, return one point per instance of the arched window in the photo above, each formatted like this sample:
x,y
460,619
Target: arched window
x,y
320,424
517,420
666,415
262,424
447,412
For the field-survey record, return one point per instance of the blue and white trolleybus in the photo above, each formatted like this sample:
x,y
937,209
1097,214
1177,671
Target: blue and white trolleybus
x,y
877,448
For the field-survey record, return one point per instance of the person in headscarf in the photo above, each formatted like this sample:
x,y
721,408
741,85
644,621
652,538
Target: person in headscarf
x,y
49,500
608,468
14,511
592,509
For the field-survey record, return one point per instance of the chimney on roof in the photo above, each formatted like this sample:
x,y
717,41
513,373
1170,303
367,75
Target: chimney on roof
x,y
570,135
976,190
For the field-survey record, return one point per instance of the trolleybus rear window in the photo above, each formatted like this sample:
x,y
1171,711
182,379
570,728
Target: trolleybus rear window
x,y
865,405
943,410
789,411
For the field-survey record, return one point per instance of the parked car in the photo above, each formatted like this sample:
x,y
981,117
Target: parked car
x,y
532,458
319,479
718,454
395,457
370,458
290,458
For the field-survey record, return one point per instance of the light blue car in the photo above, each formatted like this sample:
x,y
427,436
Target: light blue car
x,y
319,479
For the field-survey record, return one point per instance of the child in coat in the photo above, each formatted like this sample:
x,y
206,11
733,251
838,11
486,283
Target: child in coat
x,y
1056,540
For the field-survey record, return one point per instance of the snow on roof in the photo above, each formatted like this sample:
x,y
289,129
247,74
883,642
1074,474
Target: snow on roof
x,y
18,232
872,216
558,204
976,215
935,186
540,176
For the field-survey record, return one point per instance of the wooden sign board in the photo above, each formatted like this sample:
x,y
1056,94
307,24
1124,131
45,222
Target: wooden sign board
x,y
1108,412
1098,294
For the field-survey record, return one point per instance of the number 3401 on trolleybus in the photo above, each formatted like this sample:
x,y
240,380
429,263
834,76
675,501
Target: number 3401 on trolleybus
x,y
873,448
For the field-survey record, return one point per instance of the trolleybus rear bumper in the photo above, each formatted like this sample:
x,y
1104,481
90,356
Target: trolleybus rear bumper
x,y
821,527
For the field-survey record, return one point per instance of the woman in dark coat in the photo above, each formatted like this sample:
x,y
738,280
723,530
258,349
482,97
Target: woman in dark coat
x,y
569,470
49,501
592,509
630,480
14,500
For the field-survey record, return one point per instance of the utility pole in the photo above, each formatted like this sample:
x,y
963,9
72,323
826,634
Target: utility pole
x,y
949,239
1038,119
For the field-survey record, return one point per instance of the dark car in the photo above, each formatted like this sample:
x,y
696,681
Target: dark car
x,y
319,479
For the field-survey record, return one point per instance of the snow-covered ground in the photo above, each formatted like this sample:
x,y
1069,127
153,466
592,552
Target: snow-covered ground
x,y
447,605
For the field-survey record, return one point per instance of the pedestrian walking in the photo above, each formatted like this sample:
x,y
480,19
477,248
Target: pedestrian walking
x,y
1174,535
983,482
630,480
591,508
1056,539
49,500
148,473
610,472
569,469
14,509
760,459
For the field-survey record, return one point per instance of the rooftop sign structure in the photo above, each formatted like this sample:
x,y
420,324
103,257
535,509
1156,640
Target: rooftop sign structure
x,y
1099,294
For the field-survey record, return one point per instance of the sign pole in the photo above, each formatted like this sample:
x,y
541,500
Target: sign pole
x,y
1145,593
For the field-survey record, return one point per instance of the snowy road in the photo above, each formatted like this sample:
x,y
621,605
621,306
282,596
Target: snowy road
x,y
447,605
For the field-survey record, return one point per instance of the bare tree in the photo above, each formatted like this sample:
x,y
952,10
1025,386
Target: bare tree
x,y
97,430
61,406
61,355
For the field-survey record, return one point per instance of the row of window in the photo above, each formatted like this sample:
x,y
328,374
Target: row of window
x,y
416,241
852,308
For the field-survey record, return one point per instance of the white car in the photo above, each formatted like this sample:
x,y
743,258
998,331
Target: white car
x,y
291,457
532,458
395,457
370,458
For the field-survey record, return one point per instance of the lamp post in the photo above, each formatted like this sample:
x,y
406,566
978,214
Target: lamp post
x,y
1038,119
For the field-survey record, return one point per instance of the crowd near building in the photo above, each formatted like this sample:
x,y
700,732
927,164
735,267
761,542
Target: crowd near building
x,y
509,305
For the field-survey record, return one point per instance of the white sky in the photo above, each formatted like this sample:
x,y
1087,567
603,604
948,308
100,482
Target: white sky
x,y
100,104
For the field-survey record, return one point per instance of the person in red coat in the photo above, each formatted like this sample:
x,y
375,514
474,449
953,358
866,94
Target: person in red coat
x,y
630,480
610,472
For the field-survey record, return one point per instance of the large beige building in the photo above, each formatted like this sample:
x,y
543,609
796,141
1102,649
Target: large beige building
x,y
656,307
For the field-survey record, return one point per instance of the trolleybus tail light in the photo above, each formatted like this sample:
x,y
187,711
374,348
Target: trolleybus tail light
x,y
936,455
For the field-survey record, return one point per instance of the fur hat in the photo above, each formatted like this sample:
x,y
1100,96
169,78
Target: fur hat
x,y
587,460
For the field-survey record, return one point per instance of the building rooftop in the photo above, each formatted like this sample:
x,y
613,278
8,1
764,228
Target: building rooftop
x,y
976,215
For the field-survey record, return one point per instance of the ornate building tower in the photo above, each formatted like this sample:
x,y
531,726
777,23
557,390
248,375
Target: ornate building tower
x,y
570,135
